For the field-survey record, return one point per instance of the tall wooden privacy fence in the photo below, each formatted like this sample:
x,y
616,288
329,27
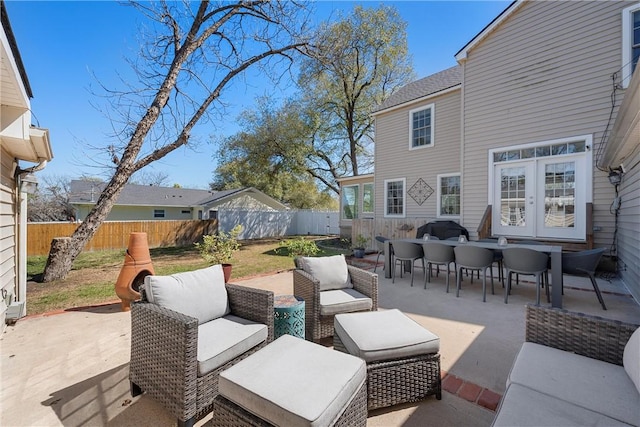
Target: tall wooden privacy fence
x,y
115,234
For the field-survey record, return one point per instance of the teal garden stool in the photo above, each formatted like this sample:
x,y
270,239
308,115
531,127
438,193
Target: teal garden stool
x,y
288,316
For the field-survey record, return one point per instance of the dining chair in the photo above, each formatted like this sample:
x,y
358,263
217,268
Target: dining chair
x,y
437,254
584,262
497,258
528,262
473,258
405,251
546,274
380,242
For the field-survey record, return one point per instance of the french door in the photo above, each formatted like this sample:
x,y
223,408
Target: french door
x,y
538,197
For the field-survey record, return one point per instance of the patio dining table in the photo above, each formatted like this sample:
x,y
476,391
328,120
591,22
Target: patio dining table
x,y
554,251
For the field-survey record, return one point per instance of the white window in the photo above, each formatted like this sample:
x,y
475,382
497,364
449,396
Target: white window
x,y
367,198
421,124
449,195
350,201
630,41
158,213
394,198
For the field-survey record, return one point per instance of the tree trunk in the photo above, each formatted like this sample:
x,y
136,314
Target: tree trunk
x,y
58,263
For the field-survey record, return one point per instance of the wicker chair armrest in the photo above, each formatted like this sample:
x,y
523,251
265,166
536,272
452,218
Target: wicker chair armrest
x,y
164,344
587,335
366,283
306,287
252,304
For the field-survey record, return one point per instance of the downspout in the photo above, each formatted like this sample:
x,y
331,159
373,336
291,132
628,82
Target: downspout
x,y
19,307
462,63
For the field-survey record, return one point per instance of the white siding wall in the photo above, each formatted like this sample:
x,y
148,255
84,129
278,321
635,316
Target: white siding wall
x,y
629,227
139,213
395,160
544,74
8,246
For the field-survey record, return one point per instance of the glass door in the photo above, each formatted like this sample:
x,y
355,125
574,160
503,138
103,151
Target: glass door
x,y
514,198
561,203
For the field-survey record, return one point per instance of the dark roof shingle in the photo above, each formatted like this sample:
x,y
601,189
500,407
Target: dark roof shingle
x,y
426,86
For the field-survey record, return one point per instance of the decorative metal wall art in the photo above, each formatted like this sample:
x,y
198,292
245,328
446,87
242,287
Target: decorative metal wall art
x,y
420,191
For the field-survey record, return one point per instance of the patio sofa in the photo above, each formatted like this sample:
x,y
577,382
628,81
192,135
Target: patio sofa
x,y
573,370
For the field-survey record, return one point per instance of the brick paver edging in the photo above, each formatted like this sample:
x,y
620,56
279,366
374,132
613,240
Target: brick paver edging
x,y
470,392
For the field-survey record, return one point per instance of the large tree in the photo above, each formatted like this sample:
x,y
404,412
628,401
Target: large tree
x,y
326,130
270,154
353,65
193,52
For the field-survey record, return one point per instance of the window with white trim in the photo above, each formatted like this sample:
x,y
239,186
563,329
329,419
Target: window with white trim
x,y
350,201
394,197
158,213
630,41
421,122
449,195
367,198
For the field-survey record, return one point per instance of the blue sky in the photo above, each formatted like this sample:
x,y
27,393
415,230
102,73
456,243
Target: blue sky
x,y
66,46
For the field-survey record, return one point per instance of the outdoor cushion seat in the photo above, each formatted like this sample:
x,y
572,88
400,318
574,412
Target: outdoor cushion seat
x,y
396,335
293,382
522,406
574,369
573,378
222,340
343,301
403,363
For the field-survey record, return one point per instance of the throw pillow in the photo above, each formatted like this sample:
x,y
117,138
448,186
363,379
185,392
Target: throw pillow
x,y
331,271
631,358
200,293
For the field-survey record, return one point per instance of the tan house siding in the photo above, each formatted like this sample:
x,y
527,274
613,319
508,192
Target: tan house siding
x,y
628,237
543,74
8,247
392,145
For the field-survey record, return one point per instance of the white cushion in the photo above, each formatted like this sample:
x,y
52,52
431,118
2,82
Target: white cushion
x,y
631,358
522,406
223,339
343,301
331,271
293,382
384,335
592,384
200,293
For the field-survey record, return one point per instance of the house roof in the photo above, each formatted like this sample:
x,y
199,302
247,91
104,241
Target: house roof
x,y
87,192
13,45
430,85
508,11
84,192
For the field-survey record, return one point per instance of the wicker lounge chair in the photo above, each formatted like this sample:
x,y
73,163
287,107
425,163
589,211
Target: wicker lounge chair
x,y
319,317
164,348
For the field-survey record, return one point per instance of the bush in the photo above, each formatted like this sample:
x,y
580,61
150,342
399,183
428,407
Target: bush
x,y
300,247
219,248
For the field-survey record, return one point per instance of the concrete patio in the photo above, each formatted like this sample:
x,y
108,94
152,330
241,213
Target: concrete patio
x,y
71,368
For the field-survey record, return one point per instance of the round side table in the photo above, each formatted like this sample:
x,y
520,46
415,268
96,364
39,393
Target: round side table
x,y
288,316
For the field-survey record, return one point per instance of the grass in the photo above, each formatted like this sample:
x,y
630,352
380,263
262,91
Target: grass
x,y
93,275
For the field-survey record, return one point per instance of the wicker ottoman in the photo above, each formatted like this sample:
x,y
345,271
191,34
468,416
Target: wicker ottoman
x,y
403,363
293,382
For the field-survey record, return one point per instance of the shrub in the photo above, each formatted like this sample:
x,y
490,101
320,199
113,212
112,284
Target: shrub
x,y
219,248
300,247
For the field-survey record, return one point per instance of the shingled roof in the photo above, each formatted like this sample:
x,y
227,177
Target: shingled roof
x,y
87,192
426,86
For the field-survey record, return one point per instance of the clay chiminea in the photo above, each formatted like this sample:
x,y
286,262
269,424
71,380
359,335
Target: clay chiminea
x,y
137,265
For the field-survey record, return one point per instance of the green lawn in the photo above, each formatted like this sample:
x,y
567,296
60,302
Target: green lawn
x,y
94,274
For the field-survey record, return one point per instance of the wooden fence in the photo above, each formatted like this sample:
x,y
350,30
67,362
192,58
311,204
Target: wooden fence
x,y
115,234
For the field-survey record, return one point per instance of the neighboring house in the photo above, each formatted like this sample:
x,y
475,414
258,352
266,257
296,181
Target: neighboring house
x,y
519,139
19,141
151,203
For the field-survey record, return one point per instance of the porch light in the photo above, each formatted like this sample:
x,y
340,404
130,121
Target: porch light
x,y
28,183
